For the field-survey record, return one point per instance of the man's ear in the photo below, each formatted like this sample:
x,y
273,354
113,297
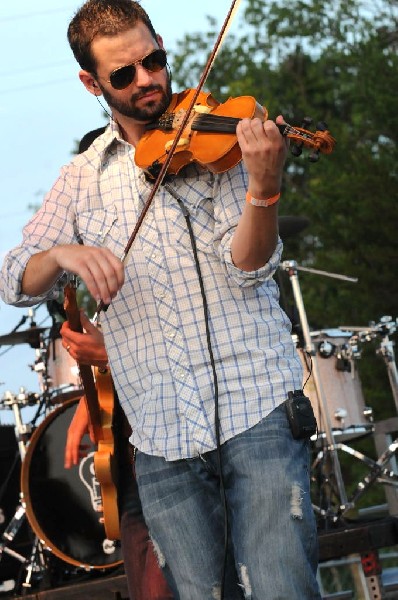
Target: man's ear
x,y
160,41
89,83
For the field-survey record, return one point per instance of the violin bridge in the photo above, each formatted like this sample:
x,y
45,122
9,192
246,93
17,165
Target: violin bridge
x,y
181,142
202,109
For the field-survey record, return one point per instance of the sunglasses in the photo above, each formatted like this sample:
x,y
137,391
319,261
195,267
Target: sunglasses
x,y
153,62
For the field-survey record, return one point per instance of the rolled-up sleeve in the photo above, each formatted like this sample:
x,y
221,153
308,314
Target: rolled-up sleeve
x,y
229,198
52,225
252,278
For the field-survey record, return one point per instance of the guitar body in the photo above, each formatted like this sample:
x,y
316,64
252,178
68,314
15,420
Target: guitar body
x,y
105,458
100,403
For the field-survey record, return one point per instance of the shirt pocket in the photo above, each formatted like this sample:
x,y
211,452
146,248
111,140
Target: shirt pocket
x,y
100,227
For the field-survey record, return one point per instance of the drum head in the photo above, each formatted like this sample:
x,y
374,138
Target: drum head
x,y
63,506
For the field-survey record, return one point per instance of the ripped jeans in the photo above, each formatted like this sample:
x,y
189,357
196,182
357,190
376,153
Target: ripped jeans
x,y
272,531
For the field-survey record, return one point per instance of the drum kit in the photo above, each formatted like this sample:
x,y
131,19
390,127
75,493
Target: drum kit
x,y
49,515
331,381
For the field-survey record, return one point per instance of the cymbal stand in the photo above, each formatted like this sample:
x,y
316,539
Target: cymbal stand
x,y
22,432
291,268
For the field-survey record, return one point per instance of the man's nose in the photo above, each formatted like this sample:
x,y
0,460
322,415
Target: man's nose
x,y
143,77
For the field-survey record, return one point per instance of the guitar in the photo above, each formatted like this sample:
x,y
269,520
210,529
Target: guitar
x,y
100,404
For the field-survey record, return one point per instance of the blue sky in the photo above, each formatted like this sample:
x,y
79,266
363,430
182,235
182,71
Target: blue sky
x,y
43,110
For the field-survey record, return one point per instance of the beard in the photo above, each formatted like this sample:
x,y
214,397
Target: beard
x,y
128,108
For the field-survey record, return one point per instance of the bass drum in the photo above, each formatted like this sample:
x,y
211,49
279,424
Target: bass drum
x,y
64,506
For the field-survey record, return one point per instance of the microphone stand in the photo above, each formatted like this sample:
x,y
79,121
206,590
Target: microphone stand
x,y
291,268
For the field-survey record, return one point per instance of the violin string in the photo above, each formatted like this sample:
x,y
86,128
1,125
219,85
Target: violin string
x,y
210,122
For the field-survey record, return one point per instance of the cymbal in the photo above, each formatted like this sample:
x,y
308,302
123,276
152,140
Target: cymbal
x,y
289,225
29,336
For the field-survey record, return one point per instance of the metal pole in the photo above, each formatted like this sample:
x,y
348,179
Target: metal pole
x,y
291,268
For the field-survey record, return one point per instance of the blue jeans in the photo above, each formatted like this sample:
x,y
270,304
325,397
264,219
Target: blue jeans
x,y
273,552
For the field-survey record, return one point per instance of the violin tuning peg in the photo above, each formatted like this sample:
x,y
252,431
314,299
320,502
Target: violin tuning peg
x,y
322,126
314,156
296,149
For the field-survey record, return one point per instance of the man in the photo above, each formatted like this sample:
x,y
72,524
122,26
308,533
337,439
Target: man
x,y
200,352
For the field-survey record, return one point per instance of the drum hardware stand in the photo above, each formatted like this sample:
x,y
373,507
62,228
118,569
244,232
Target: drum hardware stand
x,y
378,470
386,351
383,430
373,587
40,367
21,432
385,328
291,268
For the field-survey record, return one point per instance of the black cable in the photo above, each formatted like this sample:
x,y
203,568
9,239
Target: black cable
x,y
215,380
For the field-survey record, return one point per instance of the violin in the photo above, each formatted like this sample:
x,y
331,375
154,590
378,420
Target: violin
x,y
209,137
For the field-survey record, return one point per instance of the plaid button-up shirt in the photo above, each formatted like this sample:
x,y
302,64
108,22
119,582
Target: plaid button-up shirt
x,y
155,330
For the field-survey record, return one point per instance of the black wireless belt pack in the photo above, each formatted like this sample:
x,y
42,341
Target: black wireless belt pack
x,y
301,415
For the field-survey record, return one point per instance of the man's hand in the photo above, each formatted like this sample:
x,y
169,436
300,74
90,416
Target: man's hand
x,y
264,152
86,348
74,449
99,268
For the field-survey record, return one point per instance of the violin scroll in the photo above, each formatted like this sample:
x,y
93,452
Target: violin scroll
x,y
320,141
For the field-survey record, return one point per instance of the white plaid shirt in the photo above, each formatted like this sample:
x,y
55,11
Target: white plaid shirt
x,y
155,328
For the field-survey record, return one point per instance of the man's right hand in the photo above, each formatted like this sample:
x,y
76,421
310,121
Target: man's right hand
x,y
99,268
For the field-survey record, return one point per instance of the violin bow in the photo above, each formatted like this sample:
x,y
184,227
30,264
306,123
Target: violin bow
x,y
162,173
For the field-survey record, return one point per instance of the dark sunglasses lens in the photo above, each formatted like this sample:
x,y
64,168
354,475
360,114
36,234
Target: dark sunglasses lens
x,y
122,77
156,61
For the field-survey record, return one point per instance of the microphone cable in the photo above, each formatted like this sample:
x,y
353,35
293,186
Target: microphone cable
x,y
215,380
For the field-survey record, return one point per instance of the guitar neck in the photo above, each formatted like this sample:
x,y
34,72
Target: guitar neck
x,y
86,373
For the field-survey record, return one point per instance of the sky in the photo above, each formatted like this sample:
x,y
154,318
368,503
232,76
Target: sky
x,y
43,109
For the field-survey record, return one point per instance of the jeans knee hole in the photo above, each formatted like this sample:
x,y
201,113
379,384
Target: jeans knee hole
x,y
216,592
159,554
245,581
296,501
